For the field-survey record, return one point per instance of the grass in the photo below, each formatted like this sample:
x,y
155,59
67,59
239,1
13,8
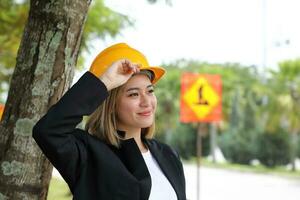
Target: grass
x,y
58,190
278,171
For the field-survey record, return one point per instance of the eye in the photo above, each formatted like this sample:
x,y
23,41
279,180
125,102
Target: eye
x,y
151,91
133,94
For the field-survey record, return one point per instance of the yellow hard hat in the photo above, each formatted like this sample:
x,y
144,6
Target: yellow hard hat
x,y
122,51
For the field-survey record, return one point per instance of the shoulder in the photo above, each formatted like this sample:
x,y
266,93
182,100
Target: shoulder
x,y
167,152
162,146
90,141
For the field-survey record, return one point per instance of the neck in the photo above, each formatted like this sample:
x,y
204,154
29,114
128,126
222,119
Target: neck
x,y
136,135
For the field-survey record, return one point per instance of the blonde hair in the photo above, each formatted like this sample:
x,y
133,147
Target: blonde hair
x,y
102,123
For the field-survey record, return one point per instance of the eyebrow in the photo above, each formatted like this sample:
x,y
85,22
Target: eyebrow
x,y
136,88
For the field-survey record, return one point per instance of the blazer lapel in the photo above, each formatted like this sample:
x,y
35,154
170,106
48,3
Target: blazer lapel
x,y
134,161
163,159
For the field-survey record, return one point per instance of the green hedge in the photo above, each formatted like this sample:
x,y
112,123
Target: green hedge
x,y
274,149
237,147
183,139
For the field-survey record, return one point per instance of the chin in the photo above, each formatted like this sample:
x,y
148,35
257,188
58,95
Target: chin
x,y
145,125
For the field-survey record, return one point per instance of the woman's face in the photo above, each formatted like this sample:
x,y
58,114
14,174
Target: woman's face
x,y
136,103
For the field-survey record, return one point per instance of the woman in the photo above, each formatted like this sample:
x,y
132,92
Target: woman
x,y
116,156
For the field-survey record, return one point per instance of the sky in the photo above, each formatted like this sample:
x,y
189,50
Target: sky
x,y
250,32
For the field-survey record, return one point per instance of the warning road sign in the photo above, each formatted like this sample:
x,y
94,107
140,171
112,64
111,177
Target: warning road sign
x,y
201,99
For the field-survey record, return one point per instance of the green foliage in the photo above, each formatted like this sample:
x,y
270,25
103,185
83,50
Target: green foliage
x,y
235,115
167,92
234,78
237,80
280,171
205,142
233,142
238,146
282,110
283,92
101,22
13,16
289,69
238,143
274,149
12,19
183,140
298,147
251,107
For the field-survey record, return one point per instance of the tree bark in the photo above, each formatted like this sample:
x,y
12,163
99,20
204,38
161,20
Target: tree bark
x,y
44,71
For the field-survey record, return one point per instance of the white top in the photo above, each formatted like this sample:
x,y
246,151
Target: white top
x,y
161,187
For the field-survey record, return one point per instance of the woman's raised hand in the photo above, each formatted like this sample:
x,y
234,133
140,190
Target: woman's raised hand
x,y
118,73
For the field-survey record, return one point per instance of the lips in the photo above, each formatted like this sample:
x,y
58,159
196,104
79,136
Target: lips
x,y
146,113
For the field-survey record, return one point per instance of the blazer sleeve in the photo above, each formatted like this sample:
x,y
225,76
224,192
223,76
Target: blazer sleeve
x,y
56,133
180,166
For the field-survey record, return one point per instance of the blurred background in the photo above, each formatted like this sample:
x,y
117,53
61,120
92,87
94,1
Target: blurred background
x,y
254,45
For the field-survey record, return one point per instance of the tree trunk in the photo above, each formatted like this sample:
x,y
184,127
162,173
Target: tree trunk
x,y
294,141
44,71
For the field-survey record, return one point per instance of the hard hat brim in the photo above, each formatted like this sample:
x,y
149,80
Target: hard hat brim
x,y
122,51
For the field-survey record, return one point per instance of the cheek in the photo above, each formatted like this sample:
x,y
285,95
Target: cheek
x,y
126,107
154,102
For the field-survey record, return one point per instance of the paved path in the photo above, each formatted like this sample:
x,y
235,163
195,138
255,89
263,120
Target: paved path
x,y
218,184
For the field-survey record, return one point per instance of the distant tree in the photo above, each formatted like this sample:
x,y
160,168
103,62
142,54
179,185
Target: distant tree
x,y
101,22
236,80
283,107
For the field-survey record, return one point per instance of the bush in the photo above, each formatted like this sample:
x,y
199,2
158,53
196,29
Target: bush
x,y
274,149
183,139
205,145
298,147
238,147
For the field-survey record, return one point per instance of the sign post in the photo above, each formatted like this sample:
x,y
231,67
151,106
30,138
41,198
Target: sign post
x,y
199,154
201,102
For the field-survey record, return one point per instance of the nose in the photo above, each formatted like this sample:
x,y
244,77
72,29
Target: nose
x,y
145,100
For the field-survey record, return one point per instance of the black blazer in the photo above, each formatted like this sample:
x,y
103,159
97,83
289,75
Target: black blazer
x,y
92,168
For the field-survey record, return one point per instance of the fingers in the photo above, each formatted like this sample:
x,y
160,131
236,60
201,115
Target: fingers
x,y
136,67
118,73
129,67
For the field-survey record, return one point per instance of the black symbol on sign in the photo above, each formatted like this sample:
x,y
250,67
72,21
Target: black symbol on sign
x,y
201,101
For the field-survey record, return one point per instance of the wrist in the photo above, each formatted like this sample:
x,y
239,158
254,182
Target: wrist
x,y
106,82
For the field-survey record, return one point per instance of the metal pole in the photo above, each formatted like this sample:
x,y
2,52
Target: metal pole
x,y
198,159
213,141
